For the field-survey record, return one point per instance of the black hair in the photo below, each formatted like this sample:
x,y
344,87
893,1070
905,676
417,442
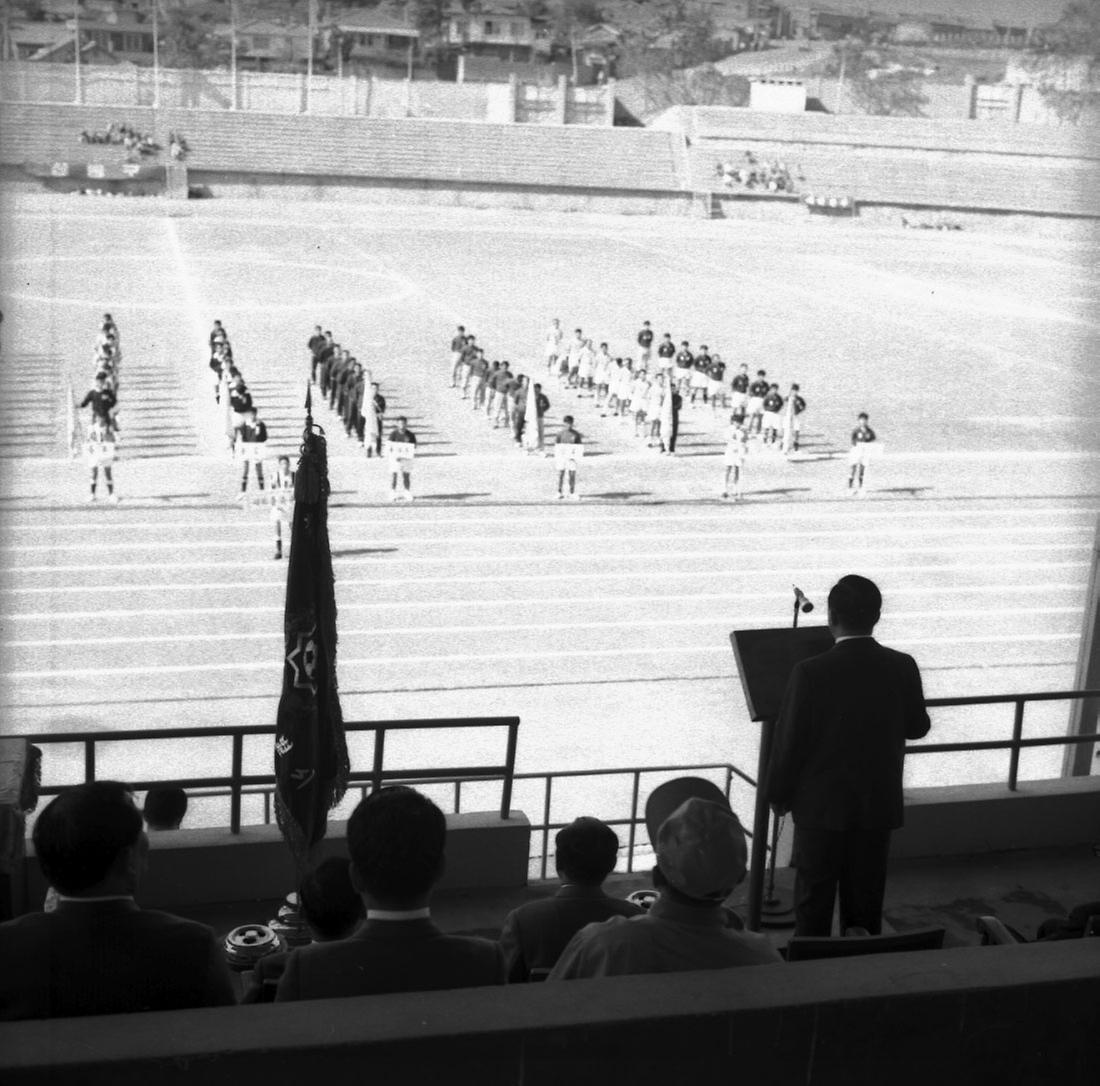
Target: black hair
x,y
80,833
855,603
164,808
328,901
586,851
396,838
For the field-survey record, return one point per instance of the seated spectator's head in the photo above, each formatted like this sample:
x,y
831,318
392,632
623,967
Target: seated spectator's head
x,y
164,808
699,842
395,839
90,842
585,851
329,903
855,606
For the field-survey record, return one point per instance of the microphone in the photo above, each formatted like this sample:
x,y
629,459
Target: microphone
x,y
801,602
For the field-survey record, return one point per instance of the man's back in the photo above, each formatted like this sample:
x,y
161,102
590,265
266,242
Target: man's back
x,y
107,957
535,934
391,956
840,738
670,938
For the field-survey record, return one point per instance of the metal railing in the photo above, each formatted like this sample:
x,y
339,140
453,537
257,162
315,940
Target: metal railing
x,y
236,782
1017,742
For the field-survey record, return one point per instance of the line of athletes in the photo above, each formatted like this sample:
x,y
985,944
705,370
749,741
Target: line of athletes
x,y
343,383
100,445
247,433
506,398
622,388
757,407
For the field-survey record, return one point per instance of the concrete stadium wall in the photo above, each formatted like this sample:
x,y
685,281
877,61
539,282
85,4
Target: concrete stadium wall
x,y
957,820
1010,1015
440,193
204,866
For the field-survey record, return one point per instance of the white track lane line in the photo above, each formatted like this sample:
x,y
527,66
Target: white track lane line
x,y
738,532
529,627
569,516
391,582
533,601
849,554
468,657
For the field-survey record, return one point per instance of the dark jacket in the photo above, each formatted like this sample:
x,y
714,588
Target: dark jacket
x,y
836,761
391,956
108,957
535,934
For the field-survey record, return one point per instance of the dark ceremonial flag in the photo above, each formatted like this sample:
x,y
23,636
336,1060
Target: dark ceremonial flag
x,y
311,757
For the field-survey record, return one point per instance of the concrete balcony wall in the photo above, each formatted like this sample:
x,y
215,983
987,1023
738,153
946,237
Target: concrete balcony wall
x,y
203,866
1007,1015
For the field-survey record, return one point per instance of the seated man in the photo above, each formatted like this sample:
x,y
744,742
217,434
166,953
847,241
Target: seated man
x,y
98,952
331,909
535,934
701,858
396,840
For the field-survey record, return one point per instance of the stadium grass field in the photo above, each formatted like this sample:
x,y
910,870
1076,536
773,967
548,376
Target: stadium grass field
x,y
604,624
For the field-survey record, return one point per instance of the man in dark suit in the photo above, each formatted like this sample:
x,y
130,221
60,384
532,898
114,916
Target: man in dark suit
x,y
396,842
836,763
535,934
97,952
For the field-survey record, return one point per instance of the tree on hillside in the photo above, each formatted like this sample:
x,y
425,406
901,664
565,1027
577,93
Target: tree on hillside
x,y
188,39
1064,57
1076,34
875,81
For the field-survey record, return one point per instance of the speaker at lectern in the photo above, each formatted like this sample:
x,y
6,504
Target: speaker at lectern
x,y
765,660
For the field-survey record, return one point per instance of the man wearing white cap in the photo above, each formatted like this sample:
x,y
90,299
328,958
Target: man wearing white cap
x,y
701,858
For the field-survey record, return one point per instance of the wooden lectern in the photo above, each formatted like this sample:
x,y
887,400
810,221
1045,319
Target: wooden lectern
x,y
765,659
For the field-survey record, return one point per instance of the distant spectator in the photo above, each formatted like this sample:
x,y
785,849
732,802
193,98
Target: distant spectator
x,y
164,808
535,934
98,952
331,909
701,858
396,839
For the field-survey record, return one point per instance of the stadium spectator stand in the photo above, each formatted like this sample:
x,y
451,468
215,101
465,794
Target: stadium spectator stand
x,y
435,151
910,163
941,179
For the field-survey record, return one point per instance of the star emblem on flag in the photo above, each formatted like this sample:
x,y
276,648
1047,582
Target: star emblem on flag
x,y
303,660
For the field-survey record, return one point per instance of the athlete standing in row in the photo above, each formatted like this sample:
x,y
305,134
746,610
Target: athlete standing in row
x,y
863,438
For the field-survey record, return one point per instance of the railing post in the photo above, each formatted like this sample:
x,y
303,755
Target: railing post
x,y
379,750
458,796
89,759
509,772
549,778
267,807
1017,734
235,784
633,821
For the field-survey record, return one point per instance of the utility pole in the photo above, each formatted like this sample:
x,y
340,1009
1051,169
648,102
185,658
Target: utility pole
x,y
309,56
233,53
156,56
76,53
840,74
